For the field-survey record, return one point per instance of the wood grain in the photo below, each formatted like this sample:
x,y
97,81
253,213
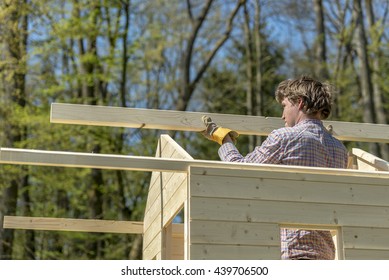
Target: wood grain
x,y
191,121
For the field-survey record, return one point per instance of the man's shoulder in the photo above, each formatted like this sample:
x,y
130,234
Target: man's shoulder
x,y
284,132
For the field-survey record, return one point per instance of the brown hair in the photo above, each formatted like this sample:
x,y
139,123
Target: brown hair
x,y
316,96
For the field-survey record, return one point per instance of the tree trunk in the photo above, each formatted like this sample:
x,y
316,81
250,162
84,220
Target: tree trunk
x,y
29,252
377,93
364,71
259,98
321,70
250,101
343,56
15,40
10,195
187,84
88,46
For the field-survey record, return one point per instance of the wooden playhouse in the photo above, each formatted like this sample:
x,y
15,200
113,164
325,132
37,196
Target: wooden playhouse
x,y
229,210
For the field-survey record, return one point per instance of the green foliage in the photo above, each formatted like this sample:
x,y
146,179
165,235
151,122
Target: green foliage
x,y
77,52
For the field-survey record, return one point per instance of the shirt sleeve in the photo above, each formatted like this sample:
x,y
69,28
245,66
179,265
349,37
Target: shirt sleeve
x,y
271,152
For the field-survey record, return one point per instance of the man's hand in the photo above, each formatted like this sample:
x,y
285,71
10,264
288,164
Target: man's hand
x,y
216,133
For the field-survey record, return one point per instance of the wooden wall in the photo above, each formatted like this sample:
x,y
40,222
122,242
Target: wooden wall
x,y
166,197
236,214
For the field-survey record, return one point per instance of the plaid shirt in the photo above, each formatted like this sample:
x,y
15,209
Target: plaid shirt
x,y
306,144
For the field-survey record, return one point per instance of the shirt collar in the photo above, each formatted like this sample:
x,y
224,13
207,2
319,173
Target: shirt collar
x,y
314,121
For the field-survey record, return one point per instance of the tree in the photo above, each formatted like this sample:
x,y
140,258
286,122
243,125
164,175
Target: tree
x,y
14,38
376,56
187,83
364,70
321,70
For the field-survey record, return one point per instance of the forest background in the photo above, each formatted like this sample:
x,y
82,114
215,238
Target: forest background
x,y
219,56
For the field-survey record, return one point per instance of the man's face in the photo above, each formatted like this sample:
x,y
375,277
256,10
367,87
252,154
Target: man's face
x,y
290,113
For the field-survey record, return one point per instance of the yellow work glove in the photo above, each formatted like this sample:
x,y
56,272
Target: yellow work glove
x,y
216,133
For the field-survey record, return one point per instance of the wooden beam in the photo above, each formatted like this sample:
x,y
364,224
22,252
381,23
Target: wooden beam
x,y
191,121
375,163
140,163
90,160
79,225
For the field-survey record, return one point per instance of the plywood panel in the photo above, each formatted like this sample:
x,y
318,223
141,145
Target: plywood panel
x,y
191,121
361,254
231,252
366,238
290,190
234,233
244,210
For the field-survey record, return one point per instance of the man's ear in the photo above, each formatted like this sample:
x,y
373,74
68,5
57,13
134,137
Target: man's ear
x,y
300,103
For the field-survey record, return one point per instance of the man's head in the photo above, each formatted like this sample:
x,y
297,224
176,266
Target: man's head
x,y
304,98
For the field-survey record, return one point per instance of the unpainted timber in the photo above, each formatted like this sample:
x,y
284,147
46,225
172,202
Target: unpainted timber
x,y
191,121
141,163
79,225
369,160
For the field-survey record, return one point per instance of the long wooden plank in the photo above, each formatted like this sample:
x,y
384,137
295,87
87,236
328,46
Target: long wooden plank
x,y
191,121
244,210
141,163
314,190
362,254
79,225
90,160
366,238
234,233
289,172
234,252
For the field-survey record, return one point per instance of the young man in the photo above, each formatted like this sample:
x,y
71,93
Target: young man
x,y
303,141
